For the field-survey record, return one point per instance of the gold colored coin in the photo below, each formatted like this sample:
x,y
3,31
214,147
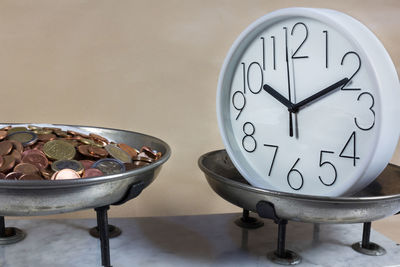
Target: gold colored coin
x,y
118,153
58,149
91,142
42,131
17,129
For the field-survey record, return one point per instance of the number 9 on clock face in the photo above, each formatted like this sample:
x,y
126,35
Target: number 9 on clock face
x,y
306,103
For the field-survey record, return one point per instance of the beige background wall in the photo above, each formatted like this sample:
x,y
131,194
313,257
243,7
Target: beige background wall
x,y
146,66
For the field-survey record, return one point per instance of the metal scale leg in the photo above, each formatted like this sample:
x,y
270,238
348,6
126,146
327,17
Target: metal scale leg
x,y
104,231
281,255
9,235
365,246
102,224
248,222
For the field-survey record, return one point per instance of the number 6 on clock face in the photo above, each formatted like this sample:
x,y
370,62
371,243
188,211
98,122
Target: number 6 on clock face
x,y
302,106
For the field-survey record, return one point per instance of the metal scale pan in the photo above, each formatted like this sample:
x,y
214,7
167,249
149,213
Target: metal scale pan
x,y
29,198
379,200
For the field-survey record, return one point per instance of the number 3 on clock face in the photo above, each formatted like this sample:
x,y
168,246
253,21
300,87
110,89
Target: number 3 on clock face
x,y
306,103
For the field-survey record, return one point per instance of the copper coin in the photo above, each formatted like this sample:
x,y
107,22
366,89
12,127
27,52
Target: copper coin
x,y
98,138
6,128
9,162
98,151
130,166
65,174
92,172
46,173
147,150
3,134
16,155
87,164
61,133
128,149
83,135
70,132
17,145
38,146
32,151
26,168
2,175
140,163
84,150
1,161
5,147
46,137
31,177
36,158
14,175
143,158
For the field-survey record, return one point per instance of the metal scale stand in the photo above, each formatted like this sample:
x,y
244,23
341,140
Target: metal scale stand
x,y
104,231
284,256
378,200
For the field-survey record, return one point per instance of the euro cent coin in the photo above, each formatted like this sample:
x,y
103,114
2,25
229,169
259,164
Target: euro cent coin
x,y
25,138
65,174
92,172
118,153
109,166
57,150
67,164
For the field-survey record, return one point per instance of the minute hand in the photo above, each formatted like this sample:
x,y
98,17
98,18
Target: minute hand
x,y
295,108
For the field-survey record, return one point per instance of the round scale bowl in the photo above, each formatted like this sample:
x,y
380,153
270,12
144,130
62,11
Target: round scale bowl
x,y
29,198
378,200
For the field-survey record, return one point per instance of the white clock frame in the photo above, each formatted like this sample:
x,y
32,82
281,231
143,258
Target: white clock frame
x,y
369,47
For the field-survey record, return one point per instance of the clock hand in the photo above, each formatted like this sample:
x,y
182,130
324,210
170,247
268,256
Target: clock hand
x,y
288,80
277,96
295,108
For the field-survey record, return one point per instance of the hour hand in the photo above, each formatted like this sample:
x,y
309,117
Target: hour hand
x,y
278,96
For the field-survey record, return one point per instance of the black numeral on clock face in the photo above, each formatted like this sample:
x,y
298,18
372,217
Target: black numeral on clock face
x,y
322,163
295,178
273,52
273,158
354,74
326,48
298,25
366,94
255,67
350,145
249,143
238,102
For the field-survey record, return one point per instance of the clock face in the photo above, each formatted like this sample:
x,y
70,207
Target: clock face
x,y
303,111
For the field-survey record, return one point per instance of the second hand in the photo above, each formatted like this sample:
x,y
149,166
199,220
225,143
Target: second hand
x,y
288,75
296,126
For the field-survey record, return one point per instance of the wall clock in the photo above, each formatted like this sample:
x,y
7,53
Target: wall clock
x,y
307,103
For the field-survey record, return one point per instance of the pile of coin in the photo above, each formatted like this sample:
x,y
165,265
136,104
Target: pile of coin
x,y
46,153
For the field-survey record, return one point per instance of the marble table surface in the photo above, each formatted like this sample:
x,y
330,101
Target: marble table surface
x,y
203,240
